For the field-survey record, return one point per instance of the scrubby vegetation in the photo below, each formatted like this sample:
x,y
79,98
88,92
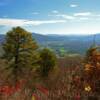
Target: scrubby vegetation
x,y
31,73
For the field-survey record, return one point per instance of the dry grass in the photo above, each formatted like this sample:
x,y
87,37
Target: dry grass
x,y
58,85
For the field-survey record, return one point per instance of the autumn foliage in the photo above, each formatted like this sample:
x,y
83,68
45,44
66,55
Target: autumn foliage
x,y
39,75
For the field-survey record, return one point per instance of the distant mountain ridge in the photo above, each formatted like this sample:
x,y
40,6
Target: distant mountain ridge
x,y
56,37
70,43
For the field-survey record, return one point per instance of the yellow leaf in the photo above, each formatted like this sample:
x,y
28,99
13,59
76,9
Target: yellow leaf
x,y
87,88
33,98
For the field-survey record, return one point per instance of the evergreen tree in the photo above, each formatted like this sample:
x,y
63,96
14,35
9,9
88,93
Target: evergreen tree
x,y
19,48
47,61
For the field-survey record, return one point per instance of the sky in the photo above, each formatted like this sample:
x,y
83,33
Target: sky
x,y
51,16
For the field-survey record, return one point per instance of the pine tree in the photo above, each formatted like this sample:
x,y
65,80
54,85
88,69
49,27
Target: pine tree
x,y
19,48
47,61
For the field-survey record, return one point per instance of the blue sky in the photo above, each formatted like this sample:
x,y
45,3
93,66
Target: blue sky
x,y
51,16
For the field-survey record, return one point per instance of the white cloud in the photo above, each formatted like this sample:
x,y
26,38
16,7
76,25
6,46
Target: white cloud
x,y
98,15
66,16
11,22
84,18
73,5
55,11
76,16
21,22
83,14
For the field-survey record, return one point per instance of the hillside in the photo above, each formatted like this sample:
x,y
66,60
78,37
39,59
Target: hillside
x,y
63,44
67,43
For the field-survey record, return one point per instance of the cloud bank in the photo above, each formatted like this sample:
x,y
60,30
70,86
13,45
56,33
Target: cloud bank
x,y
22,22
83,14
